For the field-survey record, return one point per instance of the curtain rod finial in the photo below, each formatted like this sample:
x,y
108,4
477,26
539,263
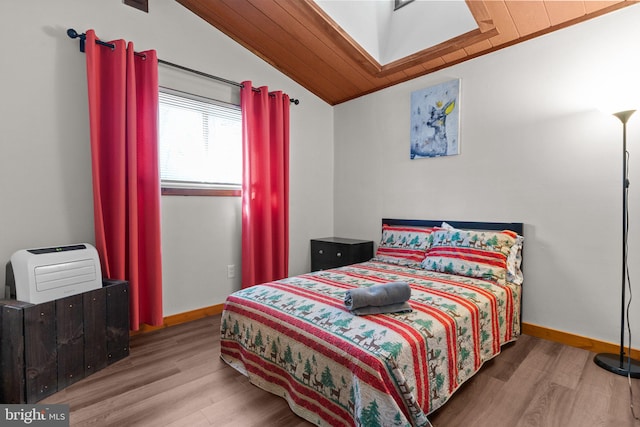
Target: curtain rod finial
x,y
74,35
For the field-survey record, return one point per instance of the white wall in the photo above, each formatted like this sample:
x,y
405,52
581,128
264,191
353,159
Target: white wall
x,y
45,172
534,149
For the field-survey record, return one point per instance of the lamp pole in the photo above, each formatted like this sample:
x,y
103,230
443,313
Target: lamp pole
x,y
612,362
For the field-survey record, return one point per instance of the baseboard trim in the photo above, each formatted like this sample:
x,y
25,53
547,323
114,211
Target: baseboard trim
x,y
561,337
179,318
573,340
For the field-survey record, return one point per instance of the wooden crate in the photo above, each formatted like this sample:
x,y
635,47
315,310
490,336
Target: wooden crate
x,y
47,347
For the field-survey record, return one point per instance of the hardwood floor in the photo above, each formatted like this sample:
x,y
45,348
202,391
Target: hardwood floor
x,y
175,377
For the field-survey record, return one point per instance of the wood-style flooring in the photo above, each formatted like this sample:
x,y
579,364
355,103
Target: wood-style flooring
x,y
175,377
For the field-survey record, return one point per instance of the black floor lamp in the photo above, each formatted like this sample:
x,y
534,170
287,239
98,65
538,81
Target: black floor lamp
x,y
619,363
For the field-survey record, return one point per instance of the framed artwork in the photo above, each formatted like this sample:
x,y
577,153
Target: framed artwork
x,y
435,120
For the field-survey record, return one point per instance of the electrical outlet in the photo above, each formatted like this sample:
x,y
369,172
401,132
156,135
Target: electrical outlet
x,y
231,271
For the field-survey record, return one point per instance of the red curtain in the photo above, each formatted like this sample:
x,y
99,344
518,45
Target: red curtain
x,y
265,185
123,117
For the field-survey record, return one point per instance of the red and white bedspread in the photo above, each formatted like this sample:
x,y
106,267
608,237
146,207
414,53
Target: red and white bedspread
x,y
295,338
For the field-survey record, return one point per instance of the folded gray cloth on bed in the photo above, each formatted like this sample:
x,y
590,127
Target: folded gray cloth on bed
x,y
377,295
401,307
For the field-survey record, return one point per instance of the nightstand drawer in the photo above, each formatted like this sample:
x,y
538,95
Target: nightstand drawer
x,y
331,252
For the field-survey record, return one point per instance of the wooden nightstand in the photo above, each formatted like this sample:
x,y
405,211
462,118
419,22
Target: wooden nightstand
x,y
331,252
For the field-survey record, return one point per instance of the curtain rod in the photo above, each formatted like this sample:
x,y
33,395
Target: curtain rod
x,y
74,34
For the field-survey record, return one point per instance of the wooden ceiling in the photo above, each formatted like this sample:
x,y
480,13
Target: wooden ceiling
x,y
298,38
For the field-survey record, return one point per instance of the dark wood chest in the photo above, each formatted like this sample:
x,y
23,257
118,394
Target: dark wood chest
x,y
48,346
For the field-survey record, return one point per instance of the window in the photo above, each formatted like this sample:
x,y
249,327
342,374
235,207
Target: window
x,y
200,143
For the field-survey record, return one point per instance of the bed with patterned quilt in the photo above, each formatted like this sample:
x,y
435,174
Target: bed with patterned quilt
x,y
297,339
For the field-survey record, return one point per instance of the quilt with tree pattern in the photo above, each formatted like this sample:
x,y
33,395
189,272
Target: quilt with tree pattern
x,y
295,338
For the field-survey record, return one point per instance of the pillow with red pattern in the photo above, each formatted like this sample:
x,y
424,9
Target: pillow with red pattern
x,y
489,255
406,245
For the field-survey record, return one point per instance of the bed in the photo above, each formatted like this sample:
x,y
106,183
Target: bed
x,y
295,337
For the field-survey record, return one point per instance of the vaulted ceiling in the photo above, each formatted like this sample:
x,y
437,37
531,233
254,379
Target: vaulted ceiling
x,y
302,41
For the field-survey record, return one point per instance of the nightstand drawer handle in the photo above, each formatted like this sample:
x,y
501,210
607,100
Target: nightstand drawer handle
x,y
320,251
338,254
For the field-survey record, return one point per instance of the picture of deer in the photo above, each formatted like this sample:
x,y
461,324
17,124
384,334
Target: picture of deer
x,y
328,322
425,327
372,344
289,306
293,367
431,109
358,338
436,144
340,324
433,354
318,385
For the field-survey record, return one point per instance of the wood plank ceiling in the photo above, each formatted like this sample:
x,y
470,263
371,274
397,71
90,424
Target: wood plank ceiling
x,y
298,38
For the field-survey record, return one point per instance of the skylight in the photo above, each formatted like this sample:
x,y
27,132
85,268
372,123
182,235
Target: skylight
x,y
389,35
